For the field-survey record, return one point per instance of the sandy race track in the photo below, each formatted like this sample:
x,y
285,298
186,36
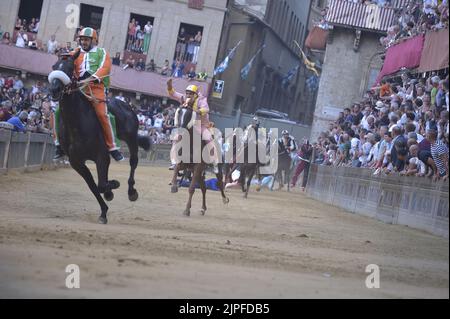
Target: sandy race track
x,y
272,245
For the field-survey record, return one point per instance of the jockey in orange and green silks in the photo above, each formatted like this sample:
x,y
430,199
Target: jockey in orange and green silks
x,y
94,63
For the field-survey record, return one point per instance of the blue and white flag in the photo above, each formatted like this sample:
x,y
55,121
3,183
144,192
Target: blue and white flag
x,y
246,69
288,77
313,83
224,65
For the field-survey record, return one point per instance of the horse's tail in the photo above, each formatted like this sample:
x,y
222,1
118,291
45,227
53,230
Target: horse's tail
x,y
144,142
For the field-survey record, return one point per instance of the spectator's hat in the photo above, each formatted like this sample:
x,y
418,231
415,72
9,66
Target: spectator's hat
x,y
379,105
435,79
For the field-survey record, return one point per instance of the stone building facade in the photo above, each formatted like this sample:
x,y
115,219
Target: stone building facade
x,y
167,17
277,25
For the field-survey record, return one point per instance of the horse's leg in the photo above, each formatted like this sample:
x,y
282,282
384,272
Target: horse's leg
x,y
203,188
82,169
174,188
242,178
288,178
249,181
132,193
105,186
220,184
278,177
198,169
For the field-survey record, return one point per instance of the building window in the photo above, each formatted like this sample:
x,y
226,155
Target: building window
x,y
372,77
29,16
91,16
139,34
187,48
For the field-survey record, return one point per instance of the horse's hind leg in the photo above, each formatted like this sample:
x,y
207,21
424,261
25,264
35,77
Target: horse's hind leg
x,y
132,193
87,176
249,181
197,175
219,177
174,188
203,188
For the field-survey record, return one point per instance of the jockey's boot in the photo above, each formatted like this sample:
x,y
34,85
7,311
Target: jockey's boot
x,y
117,155
216,169
172,167
59,152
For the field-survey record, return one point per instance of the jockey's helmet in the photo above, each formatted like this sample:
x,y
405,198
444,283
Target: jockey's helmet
x,y
285,132
192,88
256,120
89,33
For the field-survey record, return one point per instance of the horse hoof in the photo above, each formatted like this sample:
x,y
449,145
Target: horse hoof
x,y
226,200
202,212
245,196
187,213
133,197
174,189
109,196
114,184
102,220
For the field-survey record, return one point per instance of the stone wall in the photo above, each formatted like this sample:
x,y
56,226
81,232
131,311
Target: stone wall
x,y
416,202
345,75
25,152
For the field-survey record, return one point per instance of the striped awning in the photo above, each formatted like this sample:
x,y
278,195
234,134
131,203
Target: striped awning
x,y
363,16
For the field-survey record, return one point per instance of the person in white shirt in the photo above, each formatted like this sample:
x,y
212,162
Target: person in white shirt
x,y
36,27
158,124
22,39
147,36
429,6
52,45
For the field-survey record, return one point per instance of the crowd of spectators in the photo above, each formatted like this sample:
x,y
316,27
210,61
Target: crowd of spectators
x,y
188,46
418,17
402,126
398,127
26,108
138,37
16,100
156,121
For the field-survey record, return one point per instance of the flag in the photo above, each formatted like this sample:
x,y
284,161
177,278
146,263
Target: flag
x,y
224,65
309,65
288,77
246,69
313,83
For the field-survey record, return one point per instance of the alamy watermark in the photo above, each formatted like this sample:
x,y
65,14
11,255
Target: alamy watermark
x,y
373,280
262,146
73,277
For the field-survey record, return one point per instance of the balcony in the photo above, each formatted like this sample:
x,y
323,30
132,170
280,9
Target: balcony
x,y
148,83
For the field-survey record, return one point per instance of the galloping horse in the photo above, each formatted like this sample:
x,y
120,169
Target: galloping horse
x,y
197,169
81,135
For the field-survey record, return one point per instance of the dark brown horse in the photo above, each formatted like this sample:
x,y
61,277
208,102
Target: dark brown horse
x,y
82,138
197,169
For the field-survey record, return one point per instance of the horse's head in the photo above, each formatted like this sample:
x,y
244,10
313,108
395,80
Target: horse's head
x,y
61,75
187,117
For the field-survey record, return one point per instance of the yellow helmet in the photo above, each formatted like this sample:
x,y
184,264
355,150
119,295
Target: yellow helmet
x,y
192,88
88,32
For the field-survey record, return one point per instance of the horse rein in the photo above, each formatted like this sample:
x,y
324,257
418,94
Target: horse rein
x,y
80,86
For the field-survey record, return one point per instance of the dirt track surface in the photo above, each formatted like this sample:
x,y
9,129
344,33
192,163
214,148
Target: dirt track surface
x,y
272,245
